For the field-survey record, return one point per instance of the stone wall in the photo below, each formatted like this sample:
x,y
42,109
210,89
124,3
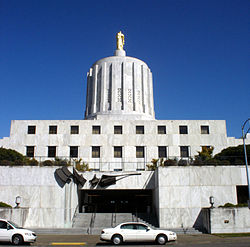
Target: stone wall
x,y
229,220
184,191
46,203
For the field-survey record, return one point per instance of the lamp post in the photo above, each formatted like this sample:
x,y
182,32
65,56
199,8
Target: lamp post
x,y
18,201
211,201
245,152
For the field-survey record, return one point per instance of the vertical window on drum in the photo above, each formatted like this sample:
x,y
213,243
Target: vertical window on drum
x,y
73,152
184,150
117,152
51,151
139,152
96,152
30,151
162,152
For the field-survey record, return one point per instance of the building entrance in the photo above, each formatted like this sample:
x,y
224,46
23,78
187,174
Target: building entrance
x,y
115,201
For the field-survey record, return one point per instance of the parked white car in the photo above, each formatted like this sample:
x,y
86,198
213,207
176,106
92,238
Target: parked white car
x,y
11,232
136,232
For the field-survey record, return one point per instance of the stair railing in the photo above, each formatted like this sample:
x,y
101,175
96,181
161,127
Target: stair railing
x,y
92,222
113,220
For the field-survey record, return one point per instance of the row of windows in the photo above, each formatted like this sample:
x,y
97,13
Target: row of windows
x,y
140,151
96,129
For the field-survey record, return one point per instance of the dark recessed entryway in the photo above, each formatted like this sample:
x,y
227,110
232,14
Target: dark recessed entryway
x,y
115,201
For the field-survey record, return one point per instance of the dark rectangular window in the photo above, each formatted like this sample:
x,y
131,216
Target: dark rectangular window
x,y
74,152
183,129
204,129
184,151
96,130
139,129
74,129
51,151
96,152
118,130
161,130
30,151
140,152
31,129
117,152
52,129
242,193
162,151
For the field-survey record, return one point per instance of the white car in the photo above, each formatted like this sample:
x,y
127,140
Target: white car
x,y
10,232
136,232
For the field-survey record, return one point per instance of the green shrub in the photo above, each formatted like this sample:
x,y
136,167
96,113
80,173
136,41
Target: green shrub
x,y
32,162
182,163
60,162
81,166
19,163
197,162
4,205
151,167
47,163
6,163
230,205
10,155
170,162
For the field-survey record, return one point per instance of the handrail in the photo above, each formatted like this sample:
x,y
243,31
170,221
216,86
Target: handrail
x,y
92,222
113,219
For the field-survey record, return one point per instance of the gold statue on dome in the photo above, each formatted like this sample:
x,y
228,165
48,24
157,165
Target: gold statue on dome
x,y
120,41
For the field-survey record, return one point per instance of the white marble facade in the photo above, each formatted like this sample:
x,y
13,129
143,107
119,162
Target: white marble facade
x,y
183,191
119,94
179,192
119,115
172,140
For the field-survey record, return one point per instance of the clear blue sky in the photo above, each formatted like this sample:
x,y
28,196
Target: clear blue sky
x,y
198,51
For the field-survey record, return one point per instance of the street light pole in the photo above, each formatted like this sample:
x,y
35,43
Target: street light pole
x,y
245,152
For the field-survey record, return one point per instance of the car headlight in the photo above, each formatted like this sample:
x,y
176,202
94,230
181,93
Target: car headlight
x,y
172,233
28,234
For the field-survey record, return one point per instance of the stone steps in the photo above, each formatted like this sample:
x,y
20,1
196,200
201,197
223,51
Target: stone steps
x,y
91,223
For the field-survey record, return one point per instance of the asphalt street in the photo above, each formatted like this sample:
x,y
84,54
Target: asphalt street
x,y
202,240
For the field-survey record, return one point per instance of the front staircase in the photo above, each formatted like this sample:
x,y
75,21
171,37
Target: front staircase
x,y
93,223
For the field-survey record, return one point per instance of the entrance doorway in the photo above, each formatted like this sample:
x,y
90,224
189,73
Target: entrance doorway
x,y
115,201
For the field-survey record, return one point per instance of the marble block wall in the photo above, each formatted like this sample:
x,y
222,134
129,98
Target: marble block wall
x,y
230,220
184,191
48,205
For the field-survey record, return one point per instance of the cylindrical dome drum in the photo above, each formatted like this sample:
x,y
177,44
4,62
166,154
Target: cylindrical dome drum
x,y
119,87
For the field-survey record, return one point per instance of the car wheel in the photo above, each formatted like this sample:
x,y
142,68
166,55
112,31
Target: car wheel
x,y
161,239
17,239
117,239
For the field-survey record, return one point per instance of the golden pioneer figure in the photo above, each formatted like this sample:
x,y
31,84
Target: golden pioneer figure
x,y
120,40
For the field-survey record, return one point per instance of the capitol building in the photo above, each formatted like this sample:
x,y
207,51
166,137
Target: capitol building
x,y
120,136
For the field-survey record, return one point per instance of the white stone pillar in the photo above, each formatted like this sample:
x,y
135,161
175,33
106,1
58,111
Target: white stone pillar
x,y
93,110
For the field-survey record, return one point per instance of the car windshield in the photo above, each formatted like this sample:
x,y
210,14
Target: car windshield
x,y
14,225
